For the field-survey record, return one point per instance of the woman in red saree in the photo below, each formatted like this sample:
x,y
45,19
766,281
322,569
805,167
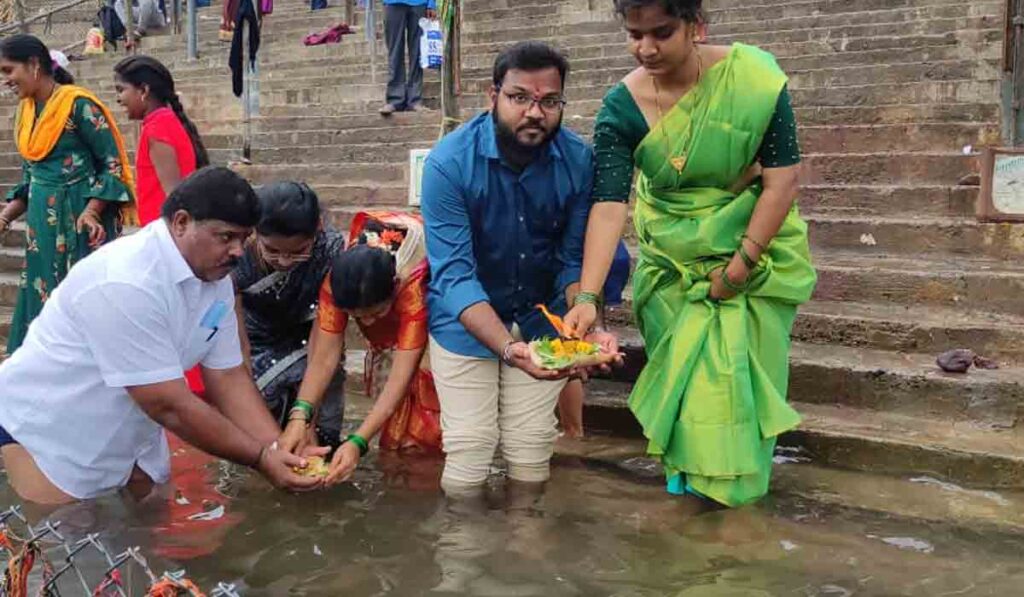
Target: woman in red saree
x,y
381,282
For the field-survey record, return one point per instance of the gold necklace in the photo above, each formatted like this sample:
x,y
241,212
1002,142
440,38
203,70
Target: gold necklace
x,y
678,162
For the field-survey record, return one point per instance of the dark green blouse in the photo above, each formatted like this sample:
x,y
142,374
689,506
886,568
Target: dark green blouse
x,y
621,126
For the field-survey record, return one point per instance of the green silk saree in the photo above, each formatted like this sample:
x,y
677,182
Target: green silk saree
x,y
712,398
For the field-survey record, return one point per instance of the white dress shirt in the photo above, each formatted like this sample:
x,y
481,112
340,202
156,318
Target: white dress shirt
x,y
132,313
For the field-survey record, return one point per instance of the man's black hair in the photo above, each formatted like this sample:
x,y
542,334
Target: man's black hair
x,y
215,193
529,56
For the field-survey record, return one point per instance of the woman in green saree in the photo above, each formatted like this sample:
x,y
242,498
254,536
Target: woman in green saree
x,y
723,256
75,190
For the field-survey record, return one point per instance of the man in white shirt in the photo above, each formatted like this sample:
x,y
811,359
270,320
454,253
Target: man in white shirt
x,y
85,401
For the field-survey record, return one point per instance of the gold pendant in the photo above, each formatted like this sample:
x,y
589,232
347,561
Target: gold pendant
x,y
678,163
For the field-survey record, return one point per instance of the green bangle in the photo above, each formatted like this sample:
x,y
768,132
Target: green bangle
x,y
730,285
587,298
747,259
305,407
364,447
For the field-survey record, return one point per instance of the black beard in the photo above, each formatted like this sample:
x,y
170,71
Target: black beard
x,y
515,153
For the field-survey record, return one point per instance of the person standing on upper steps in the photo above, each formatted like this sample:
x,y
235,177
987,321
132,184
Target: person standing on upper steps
x,y
402,31
76,186
229,11
170,148
724,259
148,15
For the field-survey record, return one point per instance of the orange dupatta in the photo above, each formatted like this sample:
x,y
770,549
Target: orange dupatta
x,y
36,139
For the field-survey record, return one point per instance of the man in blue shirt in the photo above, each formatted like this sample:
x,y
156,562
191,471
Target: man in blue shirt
x,y
505,202
402,28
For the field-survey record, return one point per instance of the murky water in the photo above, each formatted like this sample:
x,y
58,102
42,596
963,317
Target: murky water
x,y
596,530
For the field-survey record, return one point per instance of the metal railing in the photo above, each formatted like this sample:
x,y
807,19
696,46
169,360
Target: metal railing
x,y
30,23
42,557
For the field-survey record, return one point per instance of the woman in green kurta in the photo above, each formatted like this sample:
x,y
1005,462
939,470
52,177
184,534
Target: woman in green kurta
x,y
723,255
74,167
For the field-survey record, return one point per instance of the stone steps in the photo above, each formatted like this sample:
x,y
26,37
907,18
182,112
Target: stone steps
x,y
814,139
849,438
975,110
383,133
732,23
278,28
924,280
921,329
977,41
610,33
887,93
893,329
888,200
898,445
970,285
936,237
723,12
921,19
583,83
901,500
858,401
912,101
894,169
916,282
578,48
832,139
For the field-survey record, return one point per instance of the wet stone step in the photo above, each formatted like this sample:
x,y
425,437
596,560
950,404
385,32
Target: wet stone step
x,y
854,439
883,381
911,329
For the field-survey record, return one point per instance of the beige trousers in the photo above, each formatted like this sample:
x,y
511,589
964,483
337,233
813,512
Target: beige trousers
x,y
484,404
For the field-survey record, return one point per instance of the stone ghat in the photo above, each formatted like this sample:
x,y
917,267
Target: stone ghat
x,y
893,97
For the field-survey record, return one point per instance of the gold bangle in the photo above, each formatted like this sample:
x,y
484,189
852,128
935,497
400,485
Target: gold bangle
x,y
757,244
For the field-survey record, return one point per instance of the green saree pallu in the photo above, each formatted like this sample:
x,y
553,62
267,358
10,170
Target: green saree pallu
x,y
712,398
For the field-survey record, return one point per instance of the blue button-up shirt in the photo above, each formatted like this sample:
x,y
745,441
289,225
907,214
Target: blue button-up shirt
x,y
512,239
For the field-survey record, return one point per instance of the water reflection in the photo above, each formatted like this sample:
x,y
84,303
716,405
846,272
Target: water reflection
x,y
593,531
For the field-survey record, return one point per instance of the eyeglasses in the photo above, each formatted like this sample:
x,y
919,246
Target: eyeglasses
x,y
551,103
272,255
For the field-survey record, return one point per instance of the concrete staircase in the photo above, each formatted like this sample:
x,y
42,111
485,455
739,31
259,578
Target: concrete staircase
x,y
893,97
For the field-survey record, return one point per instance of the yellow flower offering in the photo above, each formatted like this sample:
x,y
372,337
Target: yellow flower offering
x,y
562,353
316,466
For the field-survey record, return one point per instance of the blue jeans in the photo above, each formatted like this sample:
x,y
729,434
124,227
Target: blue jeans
x,y
317,4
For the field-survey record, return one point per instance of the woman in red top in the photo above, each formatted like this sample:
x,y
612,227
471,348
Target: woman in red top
x,y
169,145
169,148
